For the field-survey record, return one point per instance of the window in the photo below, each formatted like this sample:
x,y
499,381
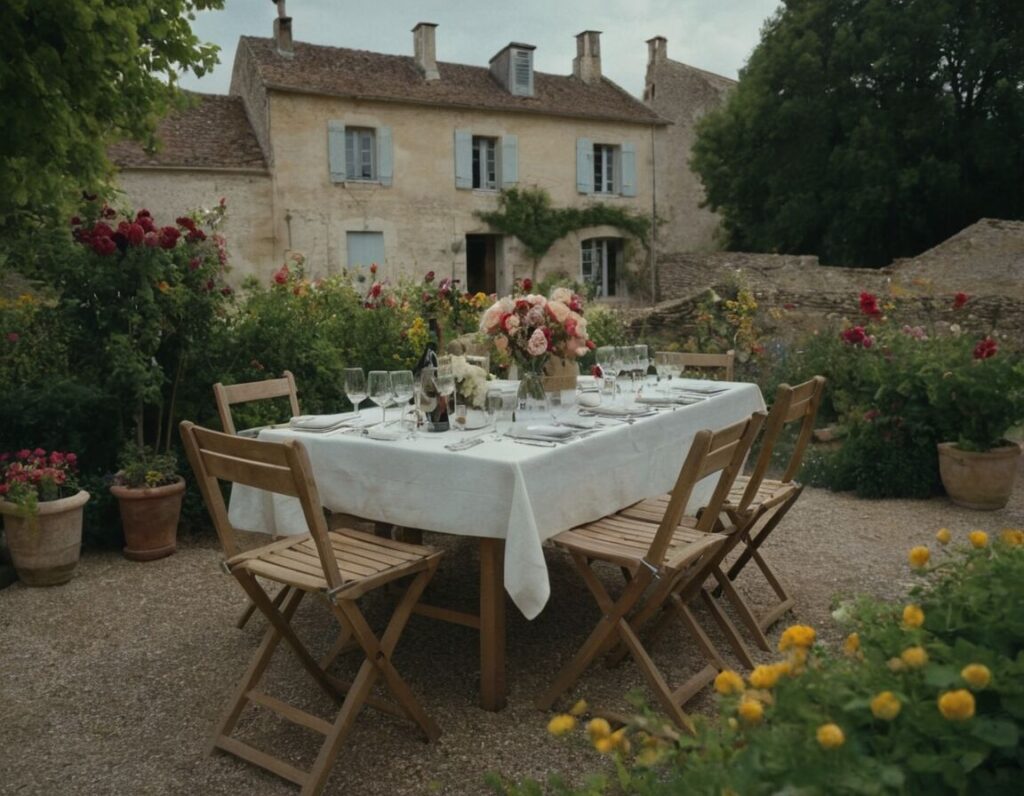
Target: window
x,y
599,264
522,77
605,165
364,249
360,154
485,163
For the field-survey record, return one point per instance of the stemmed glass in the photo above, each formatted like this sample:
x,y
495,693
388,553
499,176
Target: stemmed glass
x,y
381,393
608,361
355,387
494,404
444,383
403,385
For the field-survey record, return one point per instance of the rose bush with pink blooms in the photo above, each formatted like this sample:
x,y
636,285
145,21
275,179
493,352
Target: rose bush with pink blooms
x,y
28,477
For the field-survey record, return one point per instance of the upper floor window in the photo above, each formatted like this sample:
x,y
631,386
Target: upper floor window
x,y
360,153
606,164
485,162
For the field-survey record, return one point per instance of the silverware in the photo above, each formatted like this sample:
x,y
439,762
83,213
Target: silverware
x,y
536,443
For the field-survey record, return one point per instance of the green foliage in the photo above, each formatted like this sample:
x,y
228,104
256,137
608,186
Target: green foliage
x,y
77,75
143,467
528,214
930,707
864,131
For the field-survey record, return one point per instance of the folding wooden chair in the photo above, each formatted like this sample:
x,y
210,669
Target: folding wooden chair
x,y
229,395
674,555
689,361
339,566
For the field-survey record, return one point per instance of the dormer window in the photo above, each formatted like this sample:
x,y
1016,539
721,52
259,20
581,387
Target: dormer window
x,y
522,72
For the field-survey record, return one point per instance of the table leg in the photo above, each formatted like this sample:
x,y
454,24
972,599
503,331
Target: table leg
x,y
492,624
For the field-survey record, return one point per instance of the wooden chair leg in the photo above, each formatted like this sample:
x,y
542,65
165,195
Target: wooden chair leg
x,y
742,609
247,613
728,629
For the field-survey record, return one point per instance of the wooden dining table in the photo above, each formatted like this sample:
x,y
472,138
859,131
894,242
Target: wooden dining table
x,y
508,495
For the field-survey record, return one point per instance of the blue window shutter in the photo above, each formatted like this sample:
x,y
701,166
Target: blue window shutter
x,y
463,159
509,161
584,165
628,169
385,156
364,249
336,150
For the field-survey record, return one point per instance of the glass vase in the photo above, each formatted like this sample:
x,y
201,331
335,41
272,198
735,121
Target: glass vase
x,y
533,399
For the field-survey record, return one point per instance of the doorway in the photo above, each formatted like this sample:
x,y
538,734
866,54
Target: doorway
x,y
482,263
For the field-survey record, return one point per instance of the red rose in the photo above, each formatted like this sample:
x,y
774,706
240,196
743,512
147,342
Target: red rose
x,y
373,268
101,230
195,235
122,227
23,454
151,239
868,341
429,277
375,290
869,304
959,300
169,237
855,335
195,262
522,305
570,327
527,284
591,345
281,275
146,223
143,213
39,452
186,222
986,349
71,459
503,322
136,234
13,337
104,246
596,371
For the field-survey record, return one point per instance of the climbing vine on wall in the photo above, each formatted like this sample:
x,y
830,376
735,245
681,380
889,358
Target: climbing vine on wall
x,y
529,215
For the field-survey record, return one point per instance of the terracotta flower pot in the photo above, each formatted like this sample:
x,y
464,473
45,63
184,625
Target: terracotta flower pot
x,y
978,480
149,517
45,549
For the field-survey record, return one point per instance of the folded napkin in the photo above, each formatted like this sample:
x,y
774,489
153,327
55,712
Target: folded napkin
x,y
668,400
321,422
539,432
573,420
701,387
383,434
606,410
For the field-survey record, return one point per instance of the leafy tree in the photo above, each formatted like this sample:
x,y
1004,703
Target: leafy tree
x,y
863,130
77,74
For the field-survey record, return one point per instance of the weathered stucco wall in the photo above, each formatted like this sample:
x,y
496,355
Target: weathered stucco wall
x,y
423,217
168,193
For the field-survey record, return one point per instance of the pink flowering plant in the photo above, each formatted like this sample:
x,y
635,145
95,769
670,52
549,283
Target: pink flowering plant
x,y
528,328
30,477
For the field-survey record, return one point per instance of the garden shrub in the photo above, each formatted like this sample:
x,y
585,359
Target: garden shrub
x,y
924,697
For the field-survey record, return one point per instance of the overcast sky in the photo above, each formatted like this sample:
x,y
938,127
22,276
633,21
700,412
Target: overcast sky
x,y
716,35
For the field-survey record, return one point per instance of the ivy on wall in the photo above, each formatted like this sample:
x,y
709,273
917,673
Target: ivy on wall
x,y
529,214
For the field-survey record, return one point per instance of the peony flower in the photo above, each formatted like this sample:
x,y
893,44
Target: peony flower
x,y
558,311
986,349
561,724
562,295
510,323
957,705
169,237
151,240
136,234
869,305
830,736
978,539
537,345
976,675
728,682
886,706
918,556
855,335
535,317
913,616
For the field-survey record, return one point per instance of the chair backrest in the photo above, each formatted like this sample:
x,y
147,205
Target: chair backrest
x,y
691,361
228,395
792,405
722,451
279,467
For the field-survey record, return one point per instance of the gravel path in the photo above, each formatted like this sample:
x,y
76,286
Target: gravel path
x,y
112,683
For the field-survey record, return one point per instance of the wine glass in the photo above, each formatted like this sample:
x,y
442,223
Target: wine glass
x,y
355,387
444,383
403,385
381,393
494,404
607,360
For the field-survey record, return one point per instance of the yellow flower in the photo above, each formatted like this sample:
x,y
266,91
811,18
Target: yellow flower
x,y
913,616
796,636
648,756
919,556
957,705
561,724
751,711
978,539
1012,537
579,708
597,729
605,745
895,665
830,736
914,657
619,739
886,706
765,676
728,682
976,675
943,536
851,645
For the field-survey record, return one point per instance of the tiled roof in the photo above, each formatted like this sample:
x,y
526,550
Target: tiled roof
x,y
212,133
339,71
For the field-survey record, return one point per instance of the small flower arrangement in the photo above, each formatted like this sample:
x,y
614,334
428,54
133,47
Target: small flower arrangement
x,y
30,477
529,327
142,468
470,382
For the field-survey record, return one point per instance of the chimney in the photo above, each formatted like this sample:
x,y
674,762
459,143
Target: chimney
x,y
512,67
657,49
424,50
283,31
587,64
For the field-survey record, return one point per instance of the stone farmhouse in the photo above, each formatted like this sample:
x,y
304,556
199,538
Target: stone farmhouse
x,y
352,157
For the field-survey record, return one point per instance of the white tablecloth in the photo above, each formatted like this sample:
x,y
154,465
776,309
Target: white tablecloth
x,y
500,489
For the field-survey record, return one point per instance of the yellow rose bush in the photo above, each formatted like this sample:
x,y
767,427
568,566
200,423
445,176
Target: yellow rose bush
x,y
925,695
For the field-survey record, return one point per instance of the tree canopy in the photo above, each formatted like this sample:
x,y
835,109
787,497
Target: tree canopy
x,y
76,75
863,130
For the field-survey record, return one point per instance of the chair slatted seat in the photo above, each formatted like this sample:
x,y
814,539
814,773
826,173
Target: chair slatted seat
x,y
704,362
666,564
339,566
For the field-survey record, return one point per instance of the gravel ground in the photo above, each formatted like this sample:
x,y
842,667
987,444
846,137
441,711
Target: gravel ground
x,y
111,683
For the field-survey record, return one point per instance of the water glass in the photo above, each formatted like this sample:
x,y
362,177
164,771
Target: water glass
x,y
355,387
403,384
381,392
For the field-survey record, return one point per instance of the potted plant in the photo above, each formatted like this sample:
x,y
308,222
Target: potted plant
x,y
42,509
977,400
149,492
